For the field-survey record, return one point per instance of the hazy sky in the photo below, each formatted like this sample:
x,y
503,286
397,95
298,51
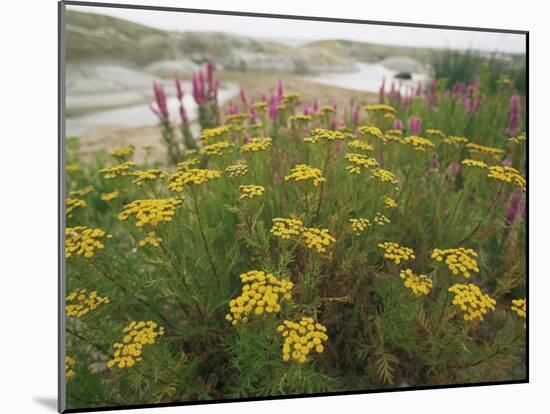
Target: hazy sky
x,y
295,32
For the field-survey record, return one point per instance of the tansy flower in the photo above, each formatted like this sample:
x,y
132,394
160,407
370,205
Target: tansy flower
x,y
370,131
418,143
82,240
474,163
291,98
519,306
301,339
384,176
496,153
302,172
380,108
436,133
359,161
212,134
418,284
216,148
148,175
286,228
237,119
261,293
72,168
389,202
299,120
150,212
71,204
518,139
82,192
393,135
381,220
321,134
69,365
122,170
259,106
508,175
251,191
455,141
79,303
137,336
124,153
459,261
192,176
256,144
109,196
358,144
318,239
359,225
236,170
187,164
472,301
397,253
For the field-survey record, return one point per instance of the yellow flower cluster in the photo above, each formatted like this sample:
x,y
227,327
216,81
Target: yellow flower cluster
x,y
380,108
518,139
301,338
381,219
195,176
210,134
150,212
237,119
152,238
109,196
256,144
507,175
71,204
286,228
148,175
82,240
473,302
371,131
397,253
519,306
187,164
124,152
251,191
389,202
393,135
297,120
303,172
72,168
123,170
326,110
319,134
137,335
418,143
458,261
359,225
455,141
474,163
436,133
384,176
259,106
261,292
82,192
236,170
216,148
358,144
482,149
69,365
418,284
317,238
291,98
78,303
358,161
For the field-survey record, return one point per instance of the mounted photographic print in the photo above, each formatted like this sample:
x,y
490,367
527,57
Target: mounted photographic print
x,y
263,206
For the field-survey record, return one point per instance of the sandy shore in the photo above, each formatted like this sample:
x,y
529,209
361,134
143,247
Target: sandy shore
x,y
107,138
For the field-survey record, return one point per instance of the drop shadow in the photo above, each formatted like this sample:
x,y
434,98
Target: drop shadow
x,y
47,402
